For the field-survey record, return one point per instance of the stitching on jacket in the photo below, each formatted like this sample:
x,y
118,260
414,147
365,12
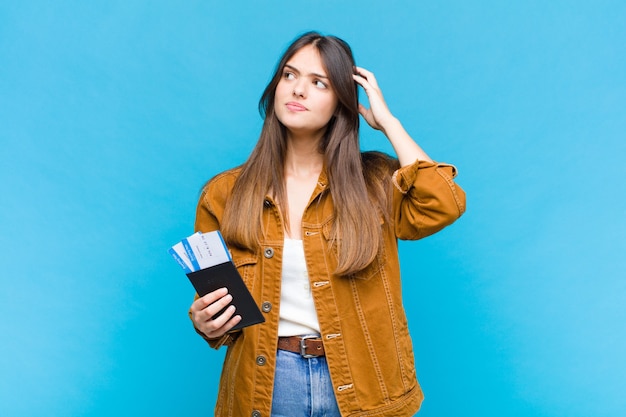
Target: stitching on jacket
x,y
232,384
368,340
452,186
394,323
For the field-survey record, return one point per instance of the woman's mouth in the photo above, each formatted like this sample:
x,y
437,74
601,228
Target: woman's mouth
x,y
294,106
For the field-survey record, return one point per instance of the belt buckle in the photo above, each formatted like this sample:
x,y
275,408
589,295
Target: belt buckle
x,y
303,353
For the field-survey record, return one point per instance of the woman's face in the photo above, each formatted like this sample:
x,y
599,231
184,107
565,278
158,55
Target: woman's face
x,y
304,101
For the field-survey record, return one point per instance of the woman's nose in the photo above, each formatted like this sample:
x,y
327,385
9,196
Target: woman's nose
x,y
299,90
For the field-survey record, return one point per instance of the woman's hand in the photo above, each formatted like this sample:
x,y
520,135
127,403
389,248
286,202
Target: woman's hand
x,y
204,308
378,115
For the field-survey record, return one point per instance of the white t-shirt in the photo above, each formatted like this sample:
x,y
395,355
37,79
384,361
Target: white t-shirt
x,y
297,310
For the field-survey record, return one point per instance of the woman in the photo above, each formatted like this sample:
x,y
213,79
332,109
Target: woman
x,y
312,225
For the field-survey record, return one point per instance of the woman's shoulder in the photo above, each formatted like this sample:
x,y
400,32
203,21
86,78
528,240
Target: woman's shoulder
x,y
225,179
217,189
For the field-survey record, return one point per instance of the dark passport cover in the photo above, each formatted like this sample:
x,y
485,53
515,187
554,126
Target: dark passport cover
x,y
226,275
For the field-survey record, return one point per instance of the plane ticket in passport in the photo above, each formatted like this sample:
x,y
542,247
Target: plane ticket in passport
x,y
207,263
200,251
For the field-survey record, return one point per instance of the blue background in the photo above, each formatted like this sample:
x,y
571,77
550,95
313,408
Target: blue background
x,y
114,113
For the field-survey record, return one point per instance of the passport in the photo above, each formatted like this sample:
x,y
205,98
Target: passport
x,y
207,263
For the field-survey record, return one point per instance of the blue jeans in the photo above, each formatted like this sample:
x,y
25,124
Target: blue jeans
x,y
302,387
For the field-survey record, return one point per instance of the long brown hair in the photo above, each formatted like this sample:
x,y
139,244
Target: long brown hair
x,y
357,192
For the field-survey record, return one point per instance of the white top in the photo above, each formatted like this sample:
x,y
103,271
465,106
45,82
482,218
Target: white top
x,y
297,310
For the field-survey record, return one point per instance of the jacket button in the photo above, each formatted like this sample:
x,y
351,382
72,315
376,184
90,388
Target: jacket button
x,y
260,360
268,253
266,307
256,413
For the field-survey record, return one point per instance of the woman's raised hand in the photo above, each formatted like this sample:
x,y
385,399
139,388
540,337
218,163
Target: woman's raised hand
x,y
205,308
378,115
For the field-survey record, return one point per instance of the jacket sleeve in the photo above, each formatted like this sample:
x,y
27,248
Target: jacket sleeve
x,y
208,213
425,199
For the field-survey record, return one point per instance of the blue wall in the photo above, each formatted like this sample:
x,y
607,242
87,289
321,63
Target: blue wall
x,y
114,113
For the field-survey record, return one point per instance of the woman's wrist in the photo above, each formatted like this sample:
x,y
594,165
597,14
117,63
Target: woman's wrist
x,y
407,150
389,125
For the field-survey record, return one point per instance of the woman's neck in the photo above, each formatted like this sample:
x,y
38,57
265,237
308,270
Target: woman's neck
x,y
303,156
303,164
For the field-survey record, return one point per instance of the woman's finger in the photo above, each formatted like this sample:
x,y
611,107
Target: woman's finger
x,y
203,302
206,318
361,81
222,323
205,308
367,75
217,306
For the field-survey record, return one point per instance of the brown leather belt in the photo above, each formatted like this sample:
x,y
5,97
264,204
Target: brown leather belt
x,y
307,346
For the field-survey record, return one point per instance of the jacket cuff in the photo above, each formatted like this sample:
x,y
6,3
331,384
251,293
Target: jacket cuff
x,y
404,178
218,342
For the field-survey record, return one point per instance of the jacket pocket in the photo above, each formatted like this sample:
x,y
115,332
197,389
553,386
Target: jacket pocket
x,y
245,261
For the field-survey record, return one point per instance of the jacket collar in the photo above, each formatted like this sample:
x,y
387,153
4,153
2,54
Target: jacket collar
x,y
322,185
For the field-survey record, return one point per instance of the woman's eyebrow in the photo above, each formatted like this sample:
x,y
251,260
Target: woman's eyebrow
x,y
291,67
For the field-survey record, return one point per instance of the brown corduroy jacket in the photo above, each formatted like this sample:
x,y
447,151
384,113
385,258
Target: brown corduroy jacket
x,y
362,320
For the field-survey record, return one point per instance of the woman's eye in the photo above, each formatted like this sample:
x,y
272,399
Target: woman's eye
x,y
320,84
288,75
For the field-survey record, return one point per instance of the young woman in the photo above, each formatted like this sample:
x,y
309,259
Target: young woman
x,y
312,225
